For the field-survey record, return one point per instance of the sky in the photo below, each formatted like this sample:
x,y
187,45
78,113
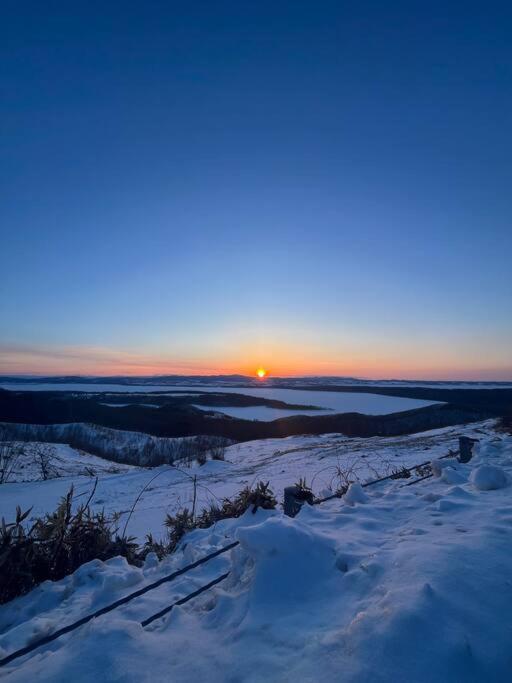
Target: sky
x,y
210,187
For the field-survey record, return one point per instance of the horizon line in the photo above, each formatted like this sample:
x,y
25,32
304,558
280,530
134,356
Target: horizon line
x,y
50,377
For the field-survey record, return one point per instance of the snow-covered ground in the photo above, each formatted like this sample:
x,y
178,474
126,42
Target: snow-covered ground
x,y
36,461
325,461
389,584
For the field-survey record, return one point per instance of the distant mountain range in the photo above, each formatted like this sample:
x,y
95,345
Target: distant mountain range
x,y
246,381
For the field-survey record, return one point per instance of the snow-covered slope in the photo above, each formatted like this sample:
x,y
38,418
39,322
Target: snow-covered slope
x,y
325,461
119,445
37,461
395,584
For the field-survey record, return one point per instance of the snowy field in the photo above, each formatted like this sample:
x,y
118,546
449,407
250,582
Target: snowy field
x,y
389,584
325,461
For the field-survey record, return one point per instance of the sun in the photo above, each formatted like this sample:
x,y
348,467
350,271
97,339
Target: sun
x,y
261,373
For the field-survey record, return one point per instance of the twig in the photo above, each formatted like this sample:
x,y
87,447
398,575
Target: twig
x,y
138,498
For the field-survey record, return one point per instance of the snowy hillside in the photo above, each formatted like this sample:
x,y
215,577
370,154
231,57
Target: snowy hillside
x,y
326,461
36,461
391,584
119,445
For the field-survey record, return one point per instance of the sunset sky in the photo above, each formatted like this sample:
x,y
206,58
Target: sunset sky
x,y
211,187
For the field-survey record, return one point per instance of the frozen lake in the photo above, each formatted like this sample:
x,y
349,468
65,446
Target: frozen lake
x,y
329,401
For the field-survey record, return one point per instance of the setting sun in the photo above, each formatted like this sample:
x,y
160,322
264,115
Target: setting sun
x,y
261,373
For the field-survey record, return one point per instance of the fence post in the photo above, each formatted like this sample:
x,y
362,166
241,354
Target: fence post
x,y
294,499
466,448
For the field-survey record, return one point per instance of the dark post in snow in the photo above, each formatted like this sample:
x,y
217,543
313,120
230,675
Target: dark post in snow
x,y
466,448
294,499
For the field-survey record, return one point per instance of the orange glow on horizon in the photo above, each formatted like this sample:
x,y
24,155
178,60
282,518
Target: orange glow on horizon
x,y
287,359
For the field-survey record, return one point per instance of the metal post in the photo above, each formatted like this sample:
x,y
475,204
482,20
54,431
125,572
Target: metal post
x,y
466,448
294,499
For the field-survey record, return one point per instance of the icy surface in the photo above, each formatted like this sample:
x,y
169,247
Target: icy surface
x,y
413,584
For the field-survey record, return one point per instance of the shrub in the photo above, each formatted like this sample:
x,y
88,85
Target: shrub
x,y
259,497
58,543
177,526
401,473
201,458
9,455
55,545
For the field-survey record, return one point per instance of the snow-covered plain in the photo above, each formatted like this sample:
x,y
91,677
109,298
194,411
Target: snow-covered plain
x,y
391,584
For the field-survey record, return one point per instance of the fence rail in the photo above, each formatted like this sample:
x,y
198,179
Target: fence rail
x,y
114,605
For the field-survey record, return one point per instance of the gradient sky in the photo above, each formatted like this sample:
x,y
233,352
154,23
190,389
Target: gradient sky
x,y
204,187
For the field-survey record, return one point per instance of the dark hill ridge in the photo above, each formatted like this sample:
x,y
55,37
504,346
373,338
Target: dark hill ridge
x,y
178,418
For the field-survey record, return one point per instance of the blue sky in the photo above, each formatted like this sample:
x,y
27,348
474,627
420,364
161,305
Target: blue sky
x,y
318,188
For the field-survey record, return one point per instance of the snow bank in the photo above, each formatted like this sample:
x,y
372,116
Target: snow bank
x,y
290,562
355,494
488,478
438,466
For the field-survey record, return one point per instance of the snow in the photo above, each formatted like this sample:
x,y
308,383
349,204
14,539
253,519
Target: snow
x,y
326,461
125,405
355,494
489,478
59,460
439,466
343,402
262,413
405,584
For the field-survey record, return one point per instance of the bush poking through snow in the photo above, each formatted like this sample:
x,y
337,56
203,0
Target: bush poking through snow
x,y
261,496
177,527
305,491
402,473
9,454
423,470
55,545
201,458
